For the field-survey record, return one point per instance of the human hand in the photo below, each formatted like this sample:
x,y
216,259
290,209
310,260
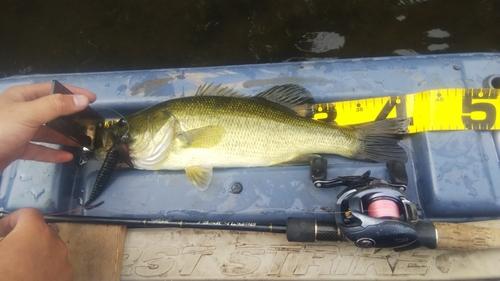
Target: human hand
x,y
23,111
31,249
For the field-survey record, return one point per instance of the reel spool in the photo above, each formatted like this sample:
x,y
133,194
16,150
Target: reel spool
x,y
383,209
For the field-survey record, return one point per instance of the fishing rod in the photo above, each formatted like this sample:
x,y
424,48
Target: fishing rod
x,y
430,235
161,223
370,212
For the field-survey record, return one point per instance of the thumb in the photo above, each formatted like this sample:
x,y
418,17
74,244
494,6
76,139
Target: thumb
x,y
40,111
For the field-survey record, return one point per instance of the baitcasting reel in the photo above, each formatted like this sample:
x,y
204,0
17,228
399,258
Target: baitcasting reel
x,y
370,212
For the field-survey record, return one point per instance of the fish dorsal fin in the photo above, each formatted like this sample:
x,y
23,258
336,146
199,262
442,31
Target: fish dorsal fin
x,y
199,176
211,90
295,97
203,137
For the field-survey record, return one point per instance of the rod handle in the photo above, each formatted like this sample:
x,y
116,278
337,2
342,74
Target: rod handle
x,y
459,236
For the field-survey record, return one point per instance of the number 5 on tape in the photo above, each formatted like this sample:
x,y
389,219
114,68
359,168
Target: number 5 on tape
x,y
434,110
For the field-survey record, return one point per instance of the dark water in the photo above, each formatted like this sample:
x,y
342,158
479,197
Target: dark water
x,y
81,36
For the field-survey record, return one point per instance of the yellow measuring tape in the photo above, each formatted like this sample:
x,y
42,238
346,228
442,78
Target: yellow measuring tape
x,y
434,110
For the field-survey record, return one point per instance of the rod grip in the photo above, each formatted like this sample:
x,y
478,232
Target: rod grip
x,y
310,230
459,236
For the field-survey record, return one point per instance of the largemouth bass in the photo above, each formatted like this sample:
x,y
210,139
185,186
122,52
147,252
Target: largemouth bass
x,y
220,128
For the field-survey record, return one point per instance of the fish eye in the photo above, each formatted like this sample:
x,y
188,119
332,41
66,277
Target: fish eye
x,y
122,122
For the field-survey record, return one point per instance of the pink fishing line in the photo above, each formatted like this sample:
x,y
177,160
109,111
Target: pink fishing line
x,y
383,208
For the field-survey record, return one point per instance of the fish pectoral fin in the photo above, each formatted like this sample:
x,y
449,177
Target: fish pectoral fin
x,y
199,176
203,137
292,96
304,159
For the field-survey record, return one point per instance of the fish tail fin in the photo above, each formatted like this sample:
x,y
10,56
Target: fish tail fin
x,y
379,140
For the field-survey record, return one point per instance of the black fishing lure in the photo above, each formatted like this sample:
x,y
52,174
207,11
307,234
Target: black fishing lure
x,y
118,152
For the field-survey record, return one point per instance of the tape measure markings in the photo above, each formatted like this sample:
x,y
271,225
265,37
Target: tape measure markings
x,y
441,109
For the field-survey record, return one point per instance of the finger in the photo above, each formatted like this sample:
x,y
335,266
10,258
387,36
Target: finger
x,y
45,154
26,215
46,134
36,91
81,91
40,111
27,92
